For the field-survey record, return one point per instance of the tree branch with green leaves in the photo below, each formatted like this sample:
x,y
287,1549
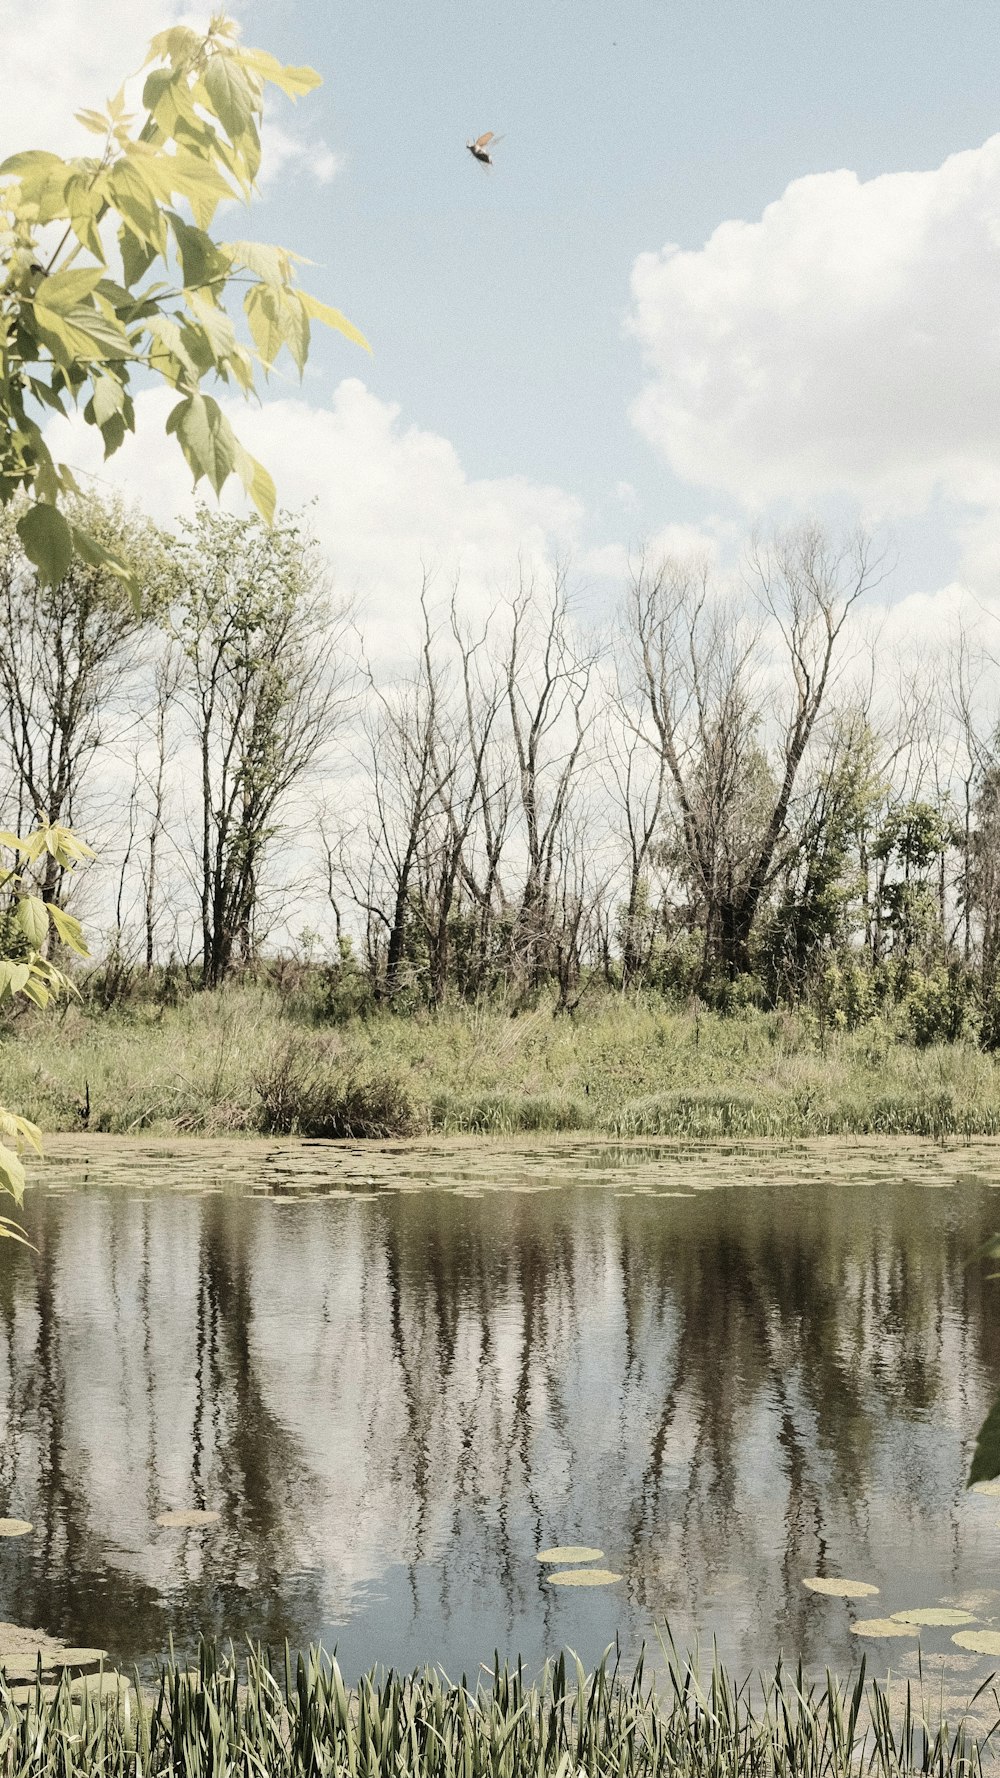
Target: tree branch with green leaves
x,y
27,927
109,270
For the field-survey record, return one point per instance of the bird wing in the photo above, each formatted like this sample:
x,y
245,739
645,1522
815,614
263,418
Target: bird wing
x,y
481,141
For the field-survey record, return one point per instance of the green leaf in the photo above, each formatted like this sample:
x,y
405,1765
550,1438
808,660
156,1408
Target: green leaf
x,y
202,261
69,929
12,977
47,540
168,343
986,1457
277,318
206,438
156,87
12,1231
61,844
20,1131
11,1174
233,99
85,333
34,170
194,177
137,202
44,392
293,81
84,202
331,318
93,121
273,265
213,323
257,482
108,399
65,291
137,256
33,920
178,44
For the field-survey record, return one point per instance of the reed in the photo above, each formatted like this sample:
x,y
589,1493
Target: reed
x,y
298,1719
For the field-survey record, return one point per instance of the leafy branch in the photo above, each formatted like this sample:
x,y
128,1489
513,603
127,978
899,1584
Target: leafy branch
x,y
28,925
136,280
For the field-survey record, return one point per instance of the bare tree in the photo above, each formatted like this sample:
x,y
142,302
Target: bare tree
x,y
403,762
733,735
154,763
548,678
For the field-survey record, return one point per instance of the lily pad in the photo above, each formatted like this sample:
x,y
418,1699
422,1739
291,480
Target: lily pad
x,y
981,1642
939,1616
187,1519
78,1661
582,1577
15,1527
569,1552
882,1627
840,1589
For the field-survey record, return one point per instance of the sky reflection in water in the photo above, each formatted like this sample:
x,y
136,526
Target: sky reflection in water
x,y
397,1383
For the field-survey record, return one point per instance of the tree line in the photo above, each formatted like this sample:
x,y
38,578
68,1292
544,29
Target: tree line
x,y
729,790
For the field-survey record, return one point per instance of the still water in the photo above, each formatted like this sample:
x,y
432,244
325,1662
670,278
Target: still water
x,y
398,1373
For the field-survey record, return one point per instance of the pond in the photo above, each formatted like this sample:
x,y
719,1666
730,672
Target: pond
x,y
398,1373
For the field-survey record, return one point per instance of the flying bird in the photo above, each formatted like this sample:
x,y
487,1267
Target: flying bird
x,y
479,149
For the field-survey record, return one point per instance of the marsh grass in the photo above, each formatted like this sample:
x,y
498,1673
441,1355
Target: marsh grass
x,y
251,1059
299,1718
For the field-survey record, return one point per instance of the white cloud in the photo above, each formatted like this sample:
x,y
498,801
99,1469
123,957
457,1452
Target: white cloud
x,y
62,55
283,153
848,341
388,498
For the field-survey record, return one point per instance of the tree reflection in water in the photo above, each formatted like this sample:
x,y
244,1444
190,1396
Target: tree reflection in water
x,y
394,1401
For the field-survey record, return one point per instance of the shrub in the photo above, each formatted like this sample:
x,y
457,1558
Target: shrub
x,y
303,1092
939,1006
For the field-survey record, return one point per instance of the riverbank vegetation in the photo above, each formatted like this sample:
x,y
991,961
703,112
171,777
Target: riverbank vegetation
x,y
268,1057
301,1719
727,796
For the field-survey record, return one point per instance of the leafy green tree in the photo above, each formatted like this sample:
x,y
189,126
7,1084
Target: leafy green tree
x,y
109,270
264,686
818,914
913,839
66,652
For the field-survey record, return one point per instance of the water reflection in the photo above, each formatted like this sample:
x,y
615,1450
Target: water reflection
x,y
394,1397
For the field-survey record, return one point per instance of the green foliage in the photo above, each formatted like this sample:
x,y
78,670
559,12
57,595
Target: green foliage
x,y
915,835
346,991
844,993
308,1092
183,1061
262,682
297,1716
939,1005
137,283
27,973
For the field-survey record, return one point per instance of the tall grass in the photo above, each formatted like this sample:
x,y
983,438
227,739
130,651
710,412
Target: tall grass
x,y
251,1059
301,1719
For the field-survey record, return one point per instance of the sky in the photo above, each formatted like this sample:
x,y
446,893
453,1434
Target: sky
x,y
737,261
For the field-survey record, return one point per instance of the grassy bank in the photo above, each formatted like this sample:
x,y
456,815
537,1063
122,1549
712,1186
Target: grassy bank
x,y
303,1723
250,1059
